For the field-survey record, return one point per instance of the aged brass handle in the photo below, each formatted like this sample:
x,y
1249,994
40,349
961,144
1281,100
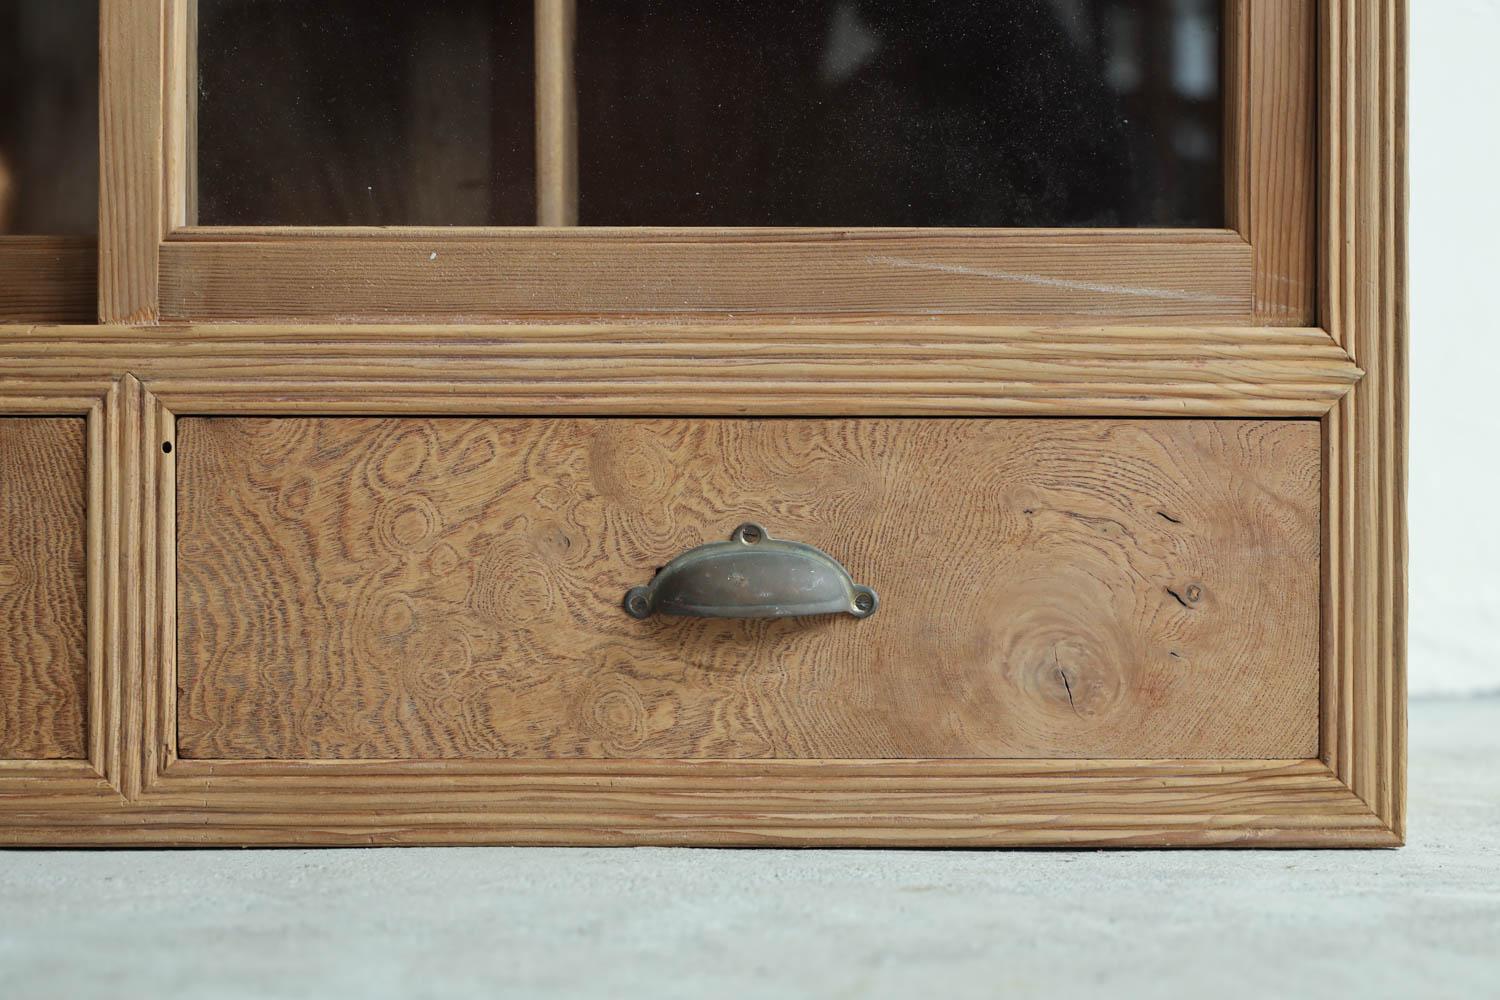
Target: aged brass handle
x,y
752,576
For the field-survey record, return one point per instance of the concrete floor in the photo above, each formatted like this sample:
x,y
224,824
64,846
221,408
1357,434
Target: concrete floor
x,y
1423,921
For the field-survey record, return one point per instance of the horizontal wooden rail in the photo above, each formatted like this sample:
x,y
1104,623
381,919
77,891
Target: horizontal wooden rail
x,y
397,276
707,369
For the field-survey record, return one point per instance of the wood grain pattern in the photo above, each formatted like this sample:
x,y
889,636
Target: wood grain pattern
x,y
84,780
132,83
1271,147
43,648
1120,803
1352,795
722,368
1019,803
450,588
394,277
1363,266
1281,162
48,279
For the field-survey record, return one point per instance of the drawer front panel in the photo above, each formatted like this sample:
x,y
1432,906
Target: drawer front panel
x,y
43,645
414,588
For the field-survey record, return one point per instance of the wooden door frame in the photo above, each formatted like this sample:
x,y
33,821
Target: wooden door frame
x,y
1345,366
1258,270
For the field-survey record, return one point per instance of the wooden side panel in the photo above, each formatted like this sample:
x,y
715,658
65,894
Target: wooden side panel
x,y
43,651
450,588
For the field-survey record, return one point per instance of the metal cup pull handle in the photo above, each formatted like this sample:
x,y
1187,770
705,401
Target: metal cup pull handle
x,y
752,576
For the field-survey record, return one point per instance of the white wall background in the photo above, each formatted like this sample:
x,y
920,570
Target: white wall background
x,y
1455,346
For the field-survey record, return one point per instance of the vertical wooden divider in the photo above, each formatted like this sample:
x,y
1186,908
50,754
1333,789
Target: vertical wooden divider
x,y
130,156
1270,137
556,114
1237,100
136,539
1363,308
180,116
1279,161
116,578
159,455
98,726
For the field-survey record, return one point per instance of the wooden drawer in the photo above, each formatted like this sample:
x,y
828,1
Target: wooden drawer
x,y
415,588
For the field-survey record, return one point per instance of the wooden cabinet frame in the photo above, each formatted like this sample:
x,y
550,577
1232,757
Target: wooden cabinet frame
x,y
1274,348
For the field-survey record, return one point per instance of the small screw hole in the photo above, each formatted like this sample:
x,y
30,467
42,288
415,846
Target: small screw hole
x,y
750,534
166,447
864,602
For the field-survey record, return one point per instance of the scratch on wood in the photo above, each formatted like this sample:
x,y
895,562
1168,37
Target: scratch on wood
x,y
1042,281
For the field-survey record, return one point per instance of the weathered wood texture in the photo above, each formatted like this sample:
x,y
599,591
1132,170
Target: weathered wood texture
x,y
1353,794
131,79
48,279
1274,192
411,588
43,648
246,276
731,369
718,803
1363,271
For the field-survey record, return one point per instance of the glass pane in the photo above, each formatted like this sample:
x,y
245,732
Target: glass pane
x,y
900,112
365,112
49,117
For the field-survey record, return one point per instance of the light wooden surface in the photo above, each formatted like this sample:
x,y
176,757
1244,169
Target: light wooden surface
x,y
134,790
1280,169
451,588
43,645
84,402
48,279
1363,278
556,113
1128,276
180,115
131,87
1009,804
724,369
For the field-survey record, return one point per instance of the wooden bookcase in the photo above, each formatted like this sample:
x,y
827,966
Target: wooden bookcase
x,y
1295,312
